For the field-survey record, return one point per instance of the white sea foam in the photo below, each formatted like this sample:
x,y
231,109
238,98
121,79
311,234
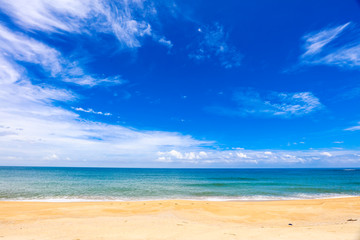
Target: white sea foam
x,y
214,198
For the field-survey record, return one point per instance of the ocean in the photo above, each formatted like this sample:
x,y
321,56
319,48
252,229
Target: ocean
x,y
128,184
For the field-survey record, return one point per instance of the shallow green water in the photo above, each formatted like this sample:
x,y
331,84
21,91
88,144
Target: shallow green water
x,y
72,184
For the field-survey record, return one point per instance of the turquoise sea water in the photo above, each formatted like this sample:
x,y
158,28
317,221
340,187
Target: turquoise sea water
x,y
79,184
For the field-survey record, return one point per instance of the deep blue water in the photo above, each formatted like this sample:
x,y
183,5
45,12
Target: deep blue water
x,y
71,184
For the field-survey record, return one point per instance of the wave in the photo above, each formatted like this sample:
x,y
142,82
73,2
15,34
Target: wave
x,y
199,198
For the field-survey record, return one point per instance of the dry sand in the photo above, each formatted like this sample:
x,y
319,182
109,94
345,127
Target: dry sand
x,y
328,219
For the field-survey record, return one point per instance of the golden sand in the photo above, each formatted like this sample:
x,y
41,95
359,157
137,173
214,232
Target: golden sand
x,y
327,219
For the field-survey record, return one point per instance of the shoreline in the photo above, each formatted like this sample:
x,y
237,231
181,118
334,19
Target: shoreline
x,y
334,218
209,199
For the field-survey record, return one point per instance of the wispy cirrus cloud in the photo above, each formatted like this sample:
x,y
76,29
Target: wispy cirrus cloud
x,y
128,21
315,42
90,110
354,128
334,46
20,47
270,104
213,43
17,47
165,42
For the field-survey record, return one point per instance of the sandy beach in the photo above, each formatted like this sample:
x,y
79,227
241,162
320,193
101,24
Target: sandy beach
x,y
182,219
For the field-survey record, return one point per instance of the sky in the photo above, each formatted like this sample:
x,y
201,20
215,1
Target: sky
x,y
189,84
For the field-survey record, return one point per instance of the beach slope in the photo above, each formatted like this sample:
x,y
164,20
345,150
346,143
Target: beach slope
x,y
182,219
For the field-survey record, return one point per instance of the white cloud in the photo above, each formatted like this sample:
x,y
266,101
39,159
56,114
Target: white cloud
x,y
23,48
56,15
326,154
189,157
348,56
353,128
271,104
241,155
75,16
314,42
213,44
165,42
16,89
51,157
129,21
17,47
261,158
335,46
90,110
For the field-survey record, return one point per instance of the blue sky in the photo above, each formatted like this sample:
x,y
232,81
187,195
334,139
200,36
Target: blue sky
x,y
180,83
